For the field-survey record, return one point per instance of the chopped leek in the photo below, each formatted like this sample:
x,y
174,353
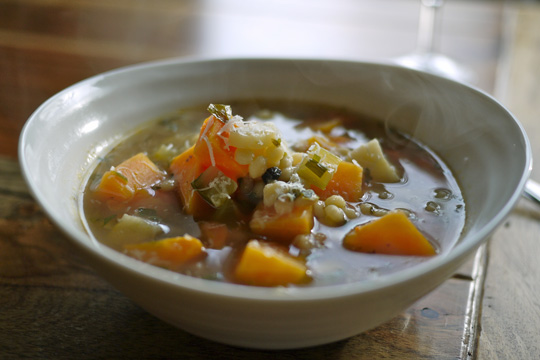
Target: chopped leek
x,y
318,167
222,112
214,186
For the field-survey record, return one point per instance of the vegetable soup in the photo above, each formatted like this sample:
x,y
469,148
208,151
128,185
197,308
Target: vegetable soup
x,y
274,194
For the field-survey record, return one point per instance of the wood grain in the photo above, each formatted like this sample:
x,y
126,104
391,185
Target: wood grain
x,y
511,308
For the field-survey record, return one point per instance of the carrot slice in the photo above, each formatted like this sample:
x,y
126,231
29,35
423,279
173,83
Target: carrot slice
x,y
168,252
346,182
285,227
131,176
391,234
264,265
186,167
211,150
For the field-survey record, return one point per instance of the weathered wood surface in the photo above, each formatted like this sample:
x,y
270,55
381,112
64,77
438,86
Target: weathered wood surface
x,y
511,307
52,305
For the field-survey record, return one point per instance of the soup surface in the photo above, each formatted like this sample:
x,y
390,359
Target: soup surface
x,y
274,194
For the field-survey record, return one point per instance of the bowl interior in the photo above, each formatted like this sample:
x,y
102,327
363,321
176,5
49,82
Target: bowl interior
x,y
475,135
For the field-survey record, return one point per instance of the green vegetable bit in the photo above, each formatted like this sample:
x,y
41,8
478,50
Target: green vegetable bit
x,y
222,112
318,167
276,142
214,186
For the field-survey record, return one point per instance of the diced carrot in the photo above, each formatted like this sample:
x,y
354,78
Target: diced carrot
x,y
347,182
392,234
285,227
211,150
214,234
186,167
262,264
131,176
168,252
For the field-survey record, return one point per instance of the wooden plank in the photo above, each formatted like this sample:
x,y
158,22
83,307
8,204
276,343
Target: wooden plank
x,y
511,309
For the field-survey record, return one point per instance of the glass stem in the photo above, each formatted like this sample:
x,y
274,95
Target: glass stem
x,y
428,28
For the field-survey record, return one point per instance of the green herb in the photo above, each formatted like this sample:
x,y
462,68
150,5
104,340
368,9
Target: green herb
x,y
222,112
108,219
276,142
308,194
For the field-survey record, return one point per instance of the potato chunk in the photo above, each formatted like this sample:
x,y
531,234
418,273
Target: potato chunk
x,y
133,229
391,234
262,264
370,156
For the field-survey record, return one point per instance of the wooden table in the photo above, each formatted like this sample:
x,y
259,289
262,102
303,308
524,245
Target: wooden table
x,y
52,305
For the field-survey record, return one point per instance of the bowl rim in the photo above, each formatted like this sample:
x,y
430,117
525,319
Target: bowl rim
x,y
230,290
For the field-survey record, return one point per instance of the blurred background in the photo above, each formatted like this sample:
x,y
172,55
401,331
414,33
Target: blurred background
x,y
51,44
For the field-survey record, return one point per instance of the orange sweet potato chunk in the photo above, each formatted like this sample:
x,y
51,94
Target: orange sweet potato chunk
x,y
282,228
168,252
262,264
214,234
392,234
347,182
211,150
186,168
128,178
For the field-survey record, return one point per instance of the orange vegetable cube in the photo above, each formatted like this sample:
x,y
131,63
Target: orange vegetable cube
x,y
128,178
214,234
392,234
262,264
211,150
168,252
186,168
322,140
346,182
285,227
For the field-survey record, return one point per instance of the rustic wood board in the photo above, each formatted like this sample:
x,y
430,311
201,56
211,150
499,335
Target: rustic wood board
x,y
511,308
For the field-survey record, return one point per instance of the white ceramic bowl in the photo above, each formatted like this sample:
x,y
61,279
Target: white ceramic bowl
x,y
480,140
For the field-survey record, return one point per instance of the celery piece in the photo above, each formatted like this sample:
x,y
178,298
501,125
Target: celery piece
x,y
318,167
214,186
